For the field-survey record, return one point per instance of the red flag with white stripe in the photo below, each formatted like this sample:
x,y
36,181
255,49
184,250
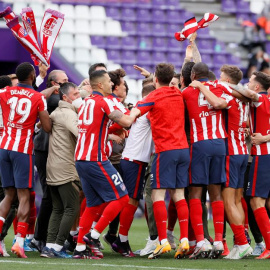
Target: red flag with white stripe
x,y
207,19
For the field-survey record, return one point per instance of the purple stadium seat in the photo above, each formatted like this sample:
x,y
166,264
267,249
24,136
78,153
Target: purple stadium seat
x,y
242,6
206,45
159,30
144,58
131,72
242,17
219,60
160,44
229,6
220,47
144,15
128,57
173,28
159,57
129,43
128,14
186,15
98,41
175,16
144,3
113,12
207,59
267,46
175,58
175,46
217,72
158,15
204,32
129,27
144,43
159,3
233,60
113,43
114,55
144,29
174,3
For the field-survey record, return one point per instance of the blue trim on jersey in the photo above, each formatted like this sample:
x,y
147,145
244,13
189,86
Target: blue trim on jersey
x,y
25,85
203,80
146,104
114,95
263,93
99,138
97,93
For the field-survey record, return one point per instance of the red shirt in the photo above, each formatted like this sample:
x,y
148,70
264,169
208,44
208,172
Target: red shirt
x,y
20,107
167,118
205,121
260,122
93,124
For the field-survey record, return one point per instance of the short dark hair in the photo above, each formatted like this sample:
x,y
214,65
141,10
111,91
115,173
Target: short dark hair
x,y
116,75
5,81
65,87
94,66
177,76
211,76
164,73
263,79
127,88
95,75
234,72
201,70
23,71
147,89
186,72
53,76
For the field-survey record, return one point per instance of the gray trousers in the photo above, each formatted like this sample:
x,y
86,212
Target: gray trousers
x,y
66,205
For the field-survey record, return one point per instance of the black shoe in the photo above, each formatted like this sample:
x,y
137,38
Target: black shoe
x,y
39,245
85,254
47,253
109,239
122,247
93,244
70,244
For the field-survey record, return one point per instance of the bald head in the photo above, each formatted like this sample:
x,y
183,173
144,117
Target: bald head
x,y
199,71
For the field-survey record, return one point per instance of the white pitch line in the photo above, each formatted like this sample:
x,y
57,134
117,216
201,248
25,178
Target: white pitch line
x,y
97,264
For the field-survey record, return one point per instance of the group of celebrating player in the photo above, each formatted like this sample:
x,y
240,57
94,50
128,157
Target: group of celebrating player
x,y
221,115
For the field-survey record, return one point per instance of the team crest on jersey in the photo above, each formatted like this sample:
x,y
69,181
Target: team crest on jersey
x,y
123,187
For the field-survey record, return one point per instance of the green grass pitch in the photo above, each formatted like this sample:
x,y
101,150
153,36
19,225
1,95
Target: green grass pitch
x,y
115,261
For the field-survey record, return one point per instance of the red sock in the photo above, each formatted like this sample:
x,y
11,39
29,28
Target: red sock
x,y
160,213
1,225
263,222
244,204
86,221
15,225
22,229
182,212
83,206
218,219
110,212
172,215
126,218
239,234
195,208
33,213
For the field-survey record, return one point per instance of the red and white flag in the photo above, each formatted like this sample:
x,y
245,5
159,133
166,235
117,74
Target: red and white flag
x,y
7,14
49,30
191,26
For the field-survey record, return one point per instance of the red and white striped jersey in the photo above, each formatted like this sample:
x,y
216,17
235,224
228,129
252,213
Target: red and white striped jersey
x,y
93,124
118,104
260,122
206,123
20,107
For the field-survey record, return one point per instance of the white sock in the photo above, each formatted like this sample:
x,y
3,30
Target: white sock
x,y
163,241
183,239
123,238
72,233
95,234
20,241
80,247
49,245
200,243
260,244
57,247
93,224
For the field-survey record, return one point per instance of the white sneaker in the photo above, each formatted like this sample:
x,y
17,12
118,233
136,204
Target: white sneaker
x,y
217,250
229,256
202,251
4,250
171,239
241,253
150,247
258,249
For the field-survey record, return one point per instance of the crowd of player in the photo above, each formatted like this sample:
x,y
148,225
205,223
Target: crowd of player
x,y
188,135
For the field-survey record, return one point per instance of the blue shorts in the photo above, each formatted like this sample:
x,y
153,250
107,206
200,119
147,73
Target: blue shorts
x,y
134,177
208,162
235,170
259,177
170,169
100,182
17,169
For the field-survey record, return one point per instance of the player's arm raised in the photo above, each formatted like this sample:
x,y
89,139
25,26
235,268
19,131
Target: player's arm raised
x,y
45,121
123,119
216,102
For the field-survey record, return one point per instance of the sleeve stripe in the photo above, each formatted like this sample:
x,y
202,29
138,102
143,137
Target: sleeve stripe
x,y
146,104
